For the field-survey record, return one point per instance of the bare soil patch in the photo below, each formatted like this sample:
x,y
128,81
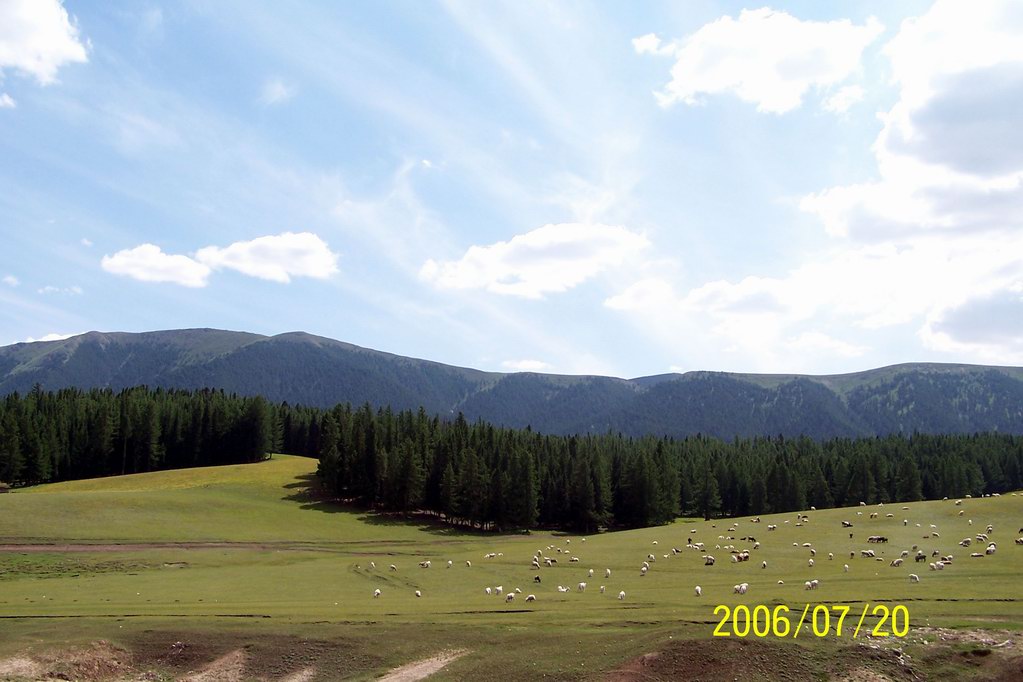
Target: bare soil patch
x,y
421,669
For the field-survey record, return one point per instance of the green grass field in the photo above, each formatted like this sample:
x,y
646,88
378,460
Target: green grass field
x,y
246,556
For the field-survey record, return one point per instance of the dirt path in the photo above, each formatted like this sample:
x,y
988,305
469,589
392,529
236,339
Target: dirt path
x,y
228,668
420,670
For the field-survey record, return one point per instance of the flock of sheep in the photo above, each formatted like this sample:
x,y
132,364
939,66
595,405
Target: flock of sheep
x,y
541,559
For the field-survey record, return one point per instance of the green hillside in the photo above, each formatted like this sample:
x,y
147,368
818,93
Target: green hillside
x,y
244,553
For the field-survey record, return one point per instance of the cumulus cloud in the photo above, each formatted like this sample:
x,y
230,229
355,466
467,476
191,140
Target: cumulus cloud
x,y
10,280
37,37
525,365
549,259
989,326
50,337
276,91
148,263
844,98
277,258
6,101
950,153
765,57
818,342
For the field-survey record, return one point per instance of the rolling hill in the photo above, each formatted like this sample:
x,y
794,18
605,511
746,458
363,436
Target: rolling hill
x,y
312,370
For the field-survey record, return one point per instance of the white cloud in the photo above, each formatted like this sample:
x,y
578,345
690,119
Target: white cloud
x,y
50,337
651,44
11,280
86,241
950,154
526,365
818,342
276,91
988,326
276,258
844,98
6,101
37,37
549,259
765,57
148,263
50,289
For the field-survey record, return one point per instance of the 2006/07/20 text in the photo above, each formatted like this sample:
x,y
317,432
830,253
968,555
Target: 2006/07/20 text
x,y
822,621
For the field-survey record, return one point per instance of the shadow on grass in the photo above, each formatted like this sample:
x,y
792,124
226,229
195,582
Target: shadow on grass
x,y
307,492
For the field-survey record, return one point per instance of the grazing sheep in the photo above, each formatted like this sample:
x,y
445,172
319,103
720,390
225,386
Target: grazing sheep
x,y
814,583
810,563
698,590
708,560
977,555
372,564
590,573
536,579
376,593
488,591
562,589
896,563
845,567
763,564
607,572
621,595
781,582
393,567
468,564
509,597
603,588
498,590
582,587
518,590
449,563
418,593
530,597
914,578
642,571
574,560
830,556
807,585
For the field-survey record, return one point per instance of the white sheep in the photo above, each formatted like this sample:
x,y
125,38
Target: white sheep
x,y
807,585
698,590
449,563
376,593
914,578
530,597
488,591
603,588
607,573
830,556
498,590
809,563
582,587
621,595
763,564
393,567
590,573
418,593
468,564
372,564
509,597
845,567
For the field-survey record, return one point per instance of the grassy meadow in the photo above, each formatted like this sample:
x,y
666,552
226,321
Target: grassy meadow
x,y
247,555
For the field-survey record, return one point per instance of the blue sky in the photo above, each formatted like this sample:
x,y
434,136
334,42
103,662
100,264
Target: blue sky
x,y
575,187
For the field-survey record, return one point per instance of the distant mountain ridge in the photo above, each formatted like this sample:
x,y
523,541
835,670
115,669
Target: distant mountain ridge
x,y
312,370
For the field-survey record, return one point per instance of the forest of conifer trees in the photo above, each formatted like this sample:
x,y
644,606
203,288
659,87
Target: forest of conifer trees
x,y
485,476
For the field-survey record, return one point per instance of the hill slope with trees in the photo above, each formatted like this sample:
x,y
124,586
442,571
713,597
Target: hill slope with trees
x,y
309,370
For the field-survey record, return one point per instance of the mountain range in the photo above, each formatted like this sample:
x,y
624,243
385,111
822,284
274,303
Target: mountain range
x,y
304,369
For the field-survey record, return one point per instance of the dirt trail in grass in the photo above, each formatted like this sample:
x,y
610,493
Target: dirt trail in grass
x,y
420,670
228,668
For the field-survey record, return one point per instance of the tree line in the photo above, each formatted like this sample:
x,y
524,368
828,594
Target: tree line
x,y
485,476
